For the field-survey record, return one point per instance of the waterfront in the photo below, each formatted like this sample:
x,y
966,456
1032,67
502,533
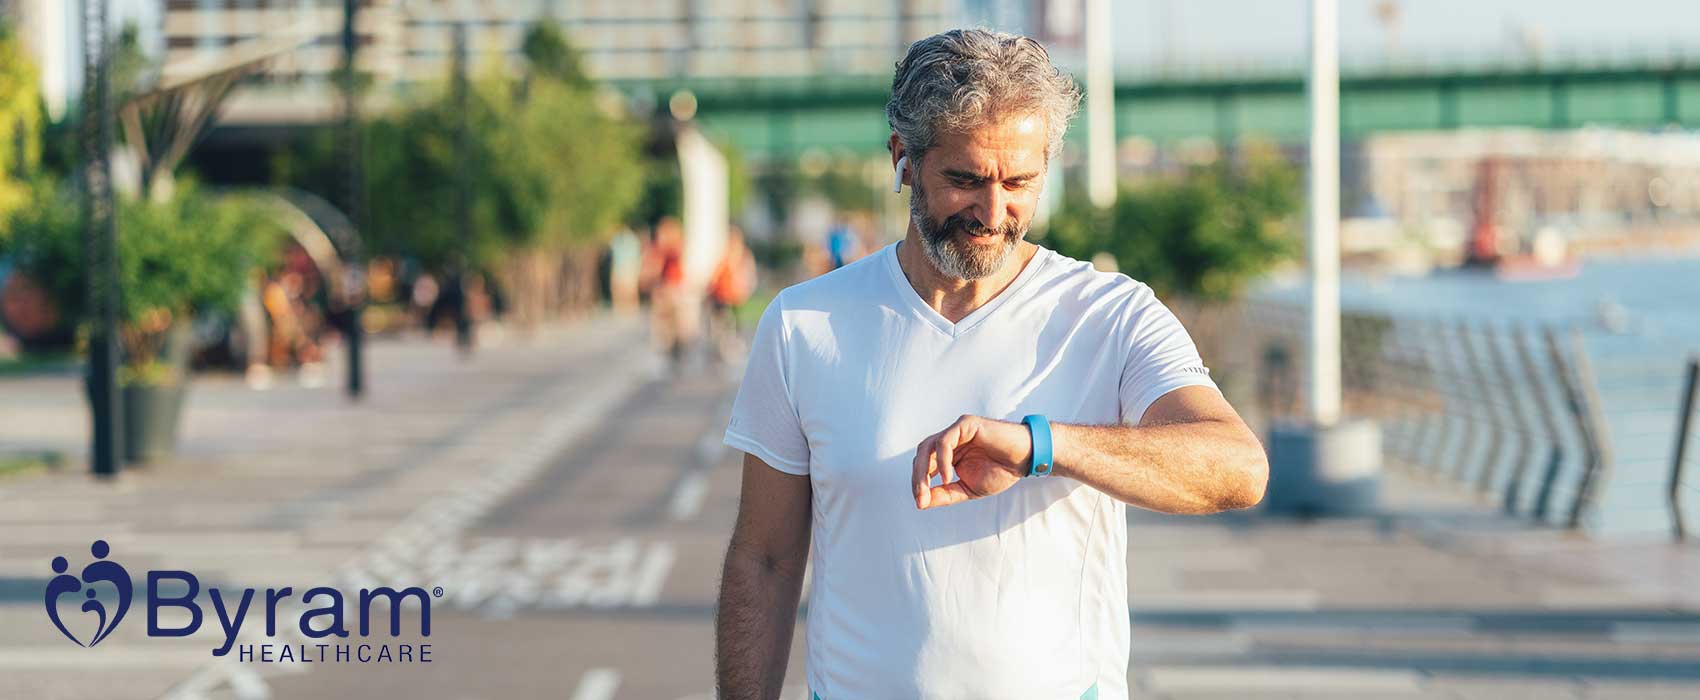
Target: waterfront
x,y
1639,318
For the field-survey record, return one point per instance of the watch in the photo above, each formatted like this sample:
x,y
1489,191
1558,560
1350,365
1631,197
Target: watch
x,y
1040,429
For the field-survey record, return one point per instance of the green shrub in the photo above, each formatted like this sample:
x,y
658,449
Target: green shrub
x,y
193,253
1206,233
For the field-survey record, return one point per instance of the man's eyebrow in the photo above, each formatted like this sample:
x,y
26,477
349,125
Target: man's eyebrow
x,y
977,177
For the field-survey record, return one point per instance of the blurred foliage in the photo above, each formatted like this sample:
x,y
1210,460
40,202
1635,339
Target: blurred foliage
x,y
190,254
843,182
551,56
133,71
664,187
1206,233
550,165
737,177
22,118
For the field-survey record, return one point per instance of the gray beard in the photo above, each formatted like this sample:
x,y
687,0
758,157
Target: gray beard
x,y
945,247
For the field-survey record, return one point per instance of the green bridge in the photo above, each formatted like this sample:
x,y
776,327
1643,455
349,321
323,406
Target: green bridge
x,y
845,114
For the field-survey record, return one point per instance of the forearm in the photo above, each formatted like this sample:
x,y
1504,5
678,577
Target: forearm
x,y
752,627
1196,468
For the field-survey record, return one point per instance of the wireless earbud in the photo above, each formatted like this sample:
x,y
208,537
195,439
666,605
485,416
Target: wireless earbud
x,y
897,175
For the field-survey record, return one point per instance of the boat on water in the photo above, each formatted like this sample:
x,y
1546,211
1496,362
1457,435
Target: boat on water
x,y
1546,255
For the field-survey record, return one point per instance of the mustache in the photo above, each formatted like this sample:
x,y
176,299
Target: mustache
x,y
971,225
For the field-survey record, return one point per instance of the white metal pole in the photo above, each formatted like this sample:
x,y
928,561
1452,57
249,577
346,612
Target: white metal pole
x,y
1100,106
1324,184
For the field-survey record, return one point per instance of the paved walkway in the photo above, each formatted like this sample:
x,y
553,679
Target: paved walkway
x,y
1438,598
575,510
291,486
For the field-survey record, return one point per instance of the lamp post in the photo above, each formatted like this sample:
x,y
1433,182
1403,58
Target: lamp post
x,y
1323,91
100,246
463,194
354,188
1324,464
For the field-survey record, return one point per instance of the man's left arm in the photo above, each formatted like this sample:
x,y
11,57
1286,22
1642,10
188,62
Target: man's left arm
x,y
1190,453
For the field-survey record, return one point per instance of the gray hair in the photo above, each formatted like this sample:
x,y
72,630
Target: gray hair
x,y
964,78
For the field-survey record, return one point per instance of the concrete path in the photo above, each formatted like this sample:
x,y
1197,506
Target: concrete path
x,y
573,509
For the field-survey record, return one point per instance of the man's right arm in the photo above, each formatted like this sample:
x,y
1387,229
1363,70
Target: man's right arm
x,y
761,583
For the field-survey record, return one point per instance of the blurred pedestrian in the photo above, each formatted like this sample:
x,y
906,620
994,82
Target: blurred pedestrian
x,y
422,298
669,321
733,281
449,307
842,246
290,345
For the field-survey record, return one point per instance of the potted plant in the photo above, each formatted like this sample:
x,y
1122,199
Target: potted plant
x,y
189,253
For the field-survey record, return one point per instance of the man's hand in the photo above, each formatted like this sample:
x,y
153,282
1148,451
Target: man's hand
x,y
978,457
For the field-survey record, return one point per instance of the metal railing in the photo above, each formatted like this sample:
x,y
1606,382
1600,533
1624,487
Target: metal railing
x,y
1685,419
1508,410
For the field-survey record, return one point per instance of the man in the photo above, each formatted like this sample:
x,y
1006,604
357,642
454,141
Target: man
x,y
882,413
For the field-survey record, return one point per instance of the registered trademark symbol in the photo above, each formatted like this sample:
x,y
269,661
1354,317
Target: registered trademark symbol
x,y
437,592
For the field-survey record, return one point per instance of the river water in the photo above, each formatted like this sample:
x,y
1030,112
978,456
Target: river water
x,y
1640,320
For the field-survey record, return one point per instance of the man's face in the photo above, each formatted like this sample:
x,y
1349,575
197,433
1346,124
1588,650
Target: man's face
x,y
976,192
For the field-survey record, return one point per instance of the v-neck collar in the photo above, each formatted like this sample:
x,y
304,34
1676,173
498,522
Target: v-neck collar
x,y
906,291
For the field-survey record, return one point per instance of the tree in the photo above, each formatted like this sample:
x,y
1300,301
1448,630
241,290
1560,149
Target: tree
x,y
551,166
1206,233
550,56
21,122
186,255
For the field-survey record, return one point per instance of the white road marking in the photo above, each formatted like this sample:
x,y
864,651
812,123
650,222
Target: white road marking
x,y
501,575
597,684
688,496
653,574
246,684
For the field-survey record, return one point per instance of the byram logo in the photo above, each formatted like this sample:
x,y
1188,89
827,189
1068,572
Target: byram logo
x,y
324,619
100,570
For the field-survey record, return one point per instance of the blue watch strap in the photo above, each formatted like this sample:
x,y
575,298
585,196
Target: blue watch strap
x,y
1041,432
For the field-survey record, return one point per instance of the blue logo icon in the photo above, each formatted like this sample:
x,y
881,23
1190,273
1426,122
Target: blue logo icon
x,y
99,570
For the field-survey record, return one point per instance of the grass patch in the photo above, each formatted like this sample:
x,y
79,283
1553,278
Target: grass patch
x,y
37,364
22,465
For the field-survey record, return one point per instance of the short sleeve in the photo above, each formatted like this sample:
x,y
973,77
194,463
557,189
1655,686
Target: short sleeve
x,y
1161,357
764,418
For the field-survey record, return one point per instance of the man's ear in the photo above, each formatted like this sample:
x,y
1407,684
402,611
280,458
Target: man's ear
x,y
899,157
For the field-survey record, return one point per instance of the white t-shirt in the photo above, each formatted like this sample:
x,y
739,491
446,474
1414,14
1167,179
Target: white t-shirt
x,y
1019,595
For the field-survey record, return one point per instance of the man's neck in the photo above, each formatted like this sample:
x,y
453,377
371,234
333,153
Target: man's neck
x,y
955,298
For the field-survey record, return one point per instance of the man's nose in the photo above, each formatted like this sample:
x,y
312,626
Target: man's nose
x,y
993,207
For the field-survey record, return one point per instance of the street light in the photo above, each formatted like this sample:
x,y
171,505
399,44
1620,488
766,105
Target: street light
x,y
354,186
100,246
1323,91
1324,465
463,194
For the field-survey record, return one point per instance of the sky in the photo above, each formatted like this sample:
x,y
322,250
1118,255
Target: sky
x,y
1246,32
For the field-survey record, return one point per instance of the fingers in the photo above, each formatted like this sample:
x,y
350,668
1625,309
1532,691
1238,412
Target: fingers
x,y
936,455
949,494
921,472
947,442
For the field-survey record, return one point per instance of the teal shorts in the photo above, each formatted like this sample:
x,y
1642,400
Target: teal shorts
x,y
1090,694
